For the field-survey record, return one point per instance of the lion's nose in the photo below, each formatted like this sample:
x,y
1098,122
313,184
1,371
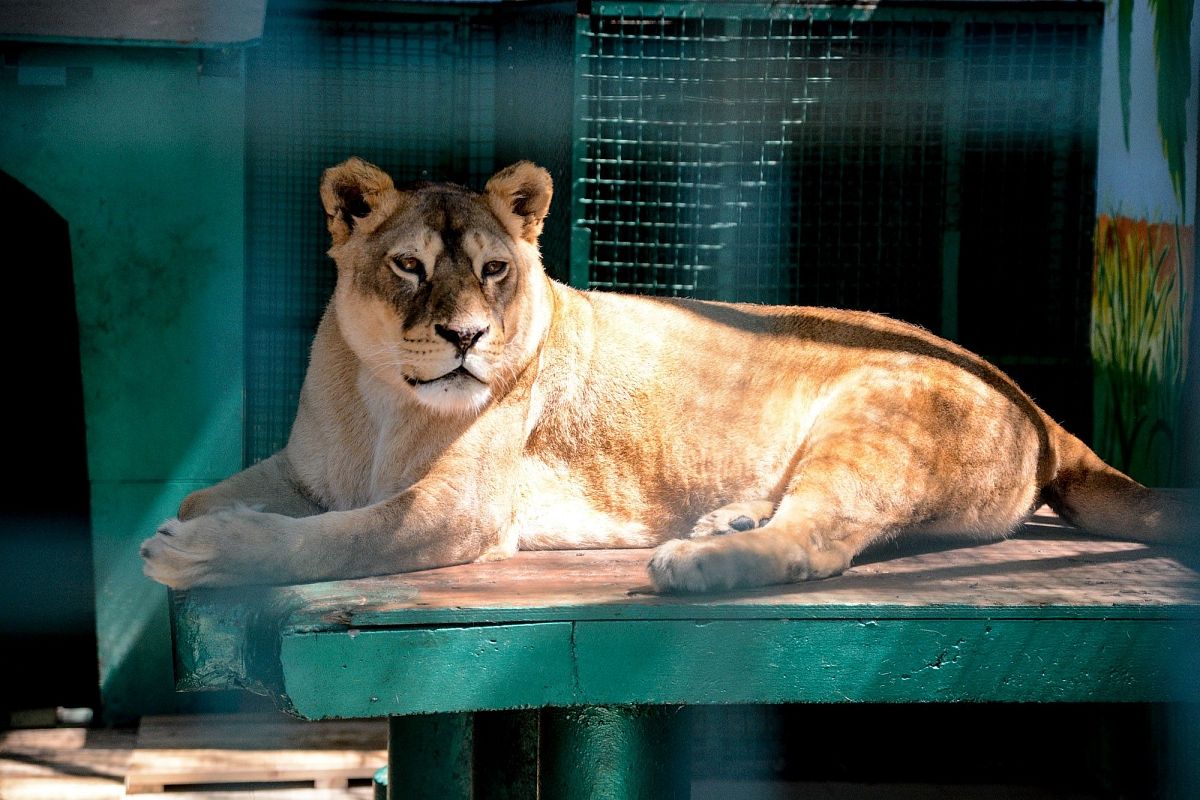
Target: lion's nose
x,y
462,338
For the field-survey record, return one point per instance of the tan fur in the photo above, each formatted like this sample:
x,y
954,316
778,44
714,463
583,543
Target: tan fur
x,y
752,444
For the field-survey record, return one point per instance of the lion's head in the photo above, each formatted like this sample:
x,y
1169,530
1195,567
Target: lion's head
x,y
440,289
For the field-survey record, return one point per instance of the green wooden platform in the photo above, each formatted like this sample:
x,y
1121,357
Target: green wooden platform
x,y
1048,616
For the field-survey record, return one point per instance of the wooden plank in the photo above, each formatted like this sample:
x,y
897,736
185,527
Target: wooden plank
x,y
375,673
253,748
1072,574
469,637
742,661
1049,569
722,789
64,764
166,22
835,661
353,793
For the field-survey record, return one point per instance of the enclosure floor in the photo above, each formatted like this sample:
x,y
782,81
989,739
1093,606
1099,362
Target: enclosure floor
x,y
78,764
781,790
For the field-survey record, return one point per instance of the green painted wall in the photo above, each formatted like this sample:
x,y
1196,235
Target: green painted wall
x,y
141,151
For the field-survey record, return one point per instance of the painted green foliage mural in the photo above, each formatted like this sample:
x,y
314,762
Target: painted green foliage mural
x,y
1140,302
1172,56
1124,49
1144,275
1173,59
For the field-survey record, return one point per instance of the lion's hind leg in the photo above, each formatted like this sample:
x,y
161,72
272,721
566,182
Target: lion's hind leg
x,y
734,518
837,503
784,550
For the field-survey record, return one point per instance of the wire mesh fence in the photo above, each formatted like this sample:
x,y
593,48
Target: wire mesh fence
x,y
721,153
931,164
412,93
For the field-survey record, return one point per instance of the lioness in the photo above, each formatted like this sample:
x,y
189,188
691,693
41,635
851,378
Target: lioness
x,y
460,406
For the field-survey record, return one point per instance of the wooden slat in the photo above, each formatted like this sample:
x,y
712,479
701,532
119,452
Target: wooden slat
x,y
253,748
180,24
353,793
1048,565
711,789
1037,570
455,669
64,764
461,638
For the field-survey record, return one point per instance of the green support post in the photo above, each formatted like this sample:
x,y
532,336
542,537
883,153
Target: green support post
x,y
506,755
429,756
603,752
380,784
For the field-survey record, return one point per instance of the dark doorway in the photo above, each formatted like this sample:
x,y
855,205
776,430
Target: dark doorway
x,y
47,606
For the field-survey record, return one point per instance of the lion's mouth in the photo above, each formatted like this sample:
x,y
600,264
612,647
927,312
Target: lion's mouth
x,y
459,372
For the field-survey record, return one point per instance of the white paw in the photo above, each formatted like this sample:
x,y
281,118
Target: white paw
x,y
178,554
752,558
734,518
221,549
683,565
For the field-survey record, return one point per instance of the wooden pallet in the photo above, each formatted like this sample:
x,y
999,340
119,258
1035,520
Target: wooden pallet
x,y
64,764
257,749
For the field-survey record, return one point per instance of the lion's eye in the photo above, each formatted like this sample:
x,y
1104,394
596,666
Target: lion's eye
x,y
410,265
494,268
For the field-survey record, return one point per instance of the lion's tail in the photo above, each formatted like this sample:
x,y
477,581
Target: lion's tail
x,y
1090,494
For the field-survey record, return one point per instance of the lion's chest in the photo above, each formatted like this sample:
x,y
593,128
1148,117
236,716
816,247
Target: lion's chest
x,y
396,462
398,451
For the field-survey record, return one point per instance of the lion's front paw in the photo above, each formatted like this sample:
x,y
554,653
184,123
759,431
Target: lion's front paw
x,y
221,549
682,565
751,558
179,554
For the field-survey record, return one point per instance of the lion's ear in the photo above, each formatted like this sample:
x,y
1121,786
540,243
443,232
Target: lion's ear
x,y
520,196
352,192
